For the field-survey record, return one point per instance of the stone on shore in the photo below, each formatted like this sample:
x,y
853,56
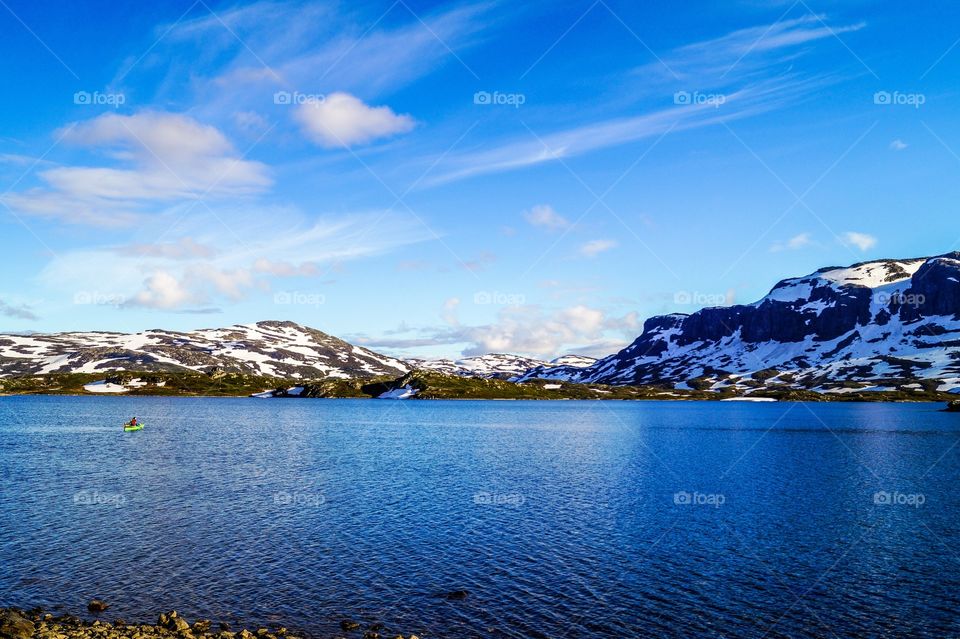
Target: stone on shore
x,y
201,626
35,624
13,625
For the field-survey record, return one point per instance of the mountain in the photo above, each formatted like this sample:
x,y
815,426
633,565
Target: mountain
x,y
886,324
274,349
547,370
495,365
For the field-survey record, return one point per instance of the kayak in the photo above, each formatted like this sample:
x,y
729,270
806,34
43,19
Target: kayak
x,y
129,429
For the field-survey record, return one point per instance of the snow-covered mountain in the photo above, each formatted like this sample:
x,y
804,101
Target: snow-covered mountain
x,y
497,365
280,349
876,325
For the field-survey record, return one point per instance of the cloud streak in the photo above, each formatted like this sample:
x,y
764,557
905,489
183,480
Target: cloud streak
x,y
157,158
758,87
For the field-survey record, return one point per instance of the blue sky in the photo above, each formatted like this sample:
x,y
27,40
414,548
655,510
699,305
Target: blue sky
x,y
439,179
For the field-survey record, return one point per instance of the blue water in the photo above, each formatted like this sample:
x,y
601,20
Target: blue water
x,y
561,519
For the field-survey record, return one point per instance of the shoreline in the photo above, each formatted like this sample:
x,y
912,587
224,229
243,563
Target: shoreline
x,y
724,399
37,623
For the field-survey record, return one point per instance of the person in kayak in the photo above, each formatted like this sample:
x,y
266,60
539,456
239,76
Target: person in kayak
x,y
133,422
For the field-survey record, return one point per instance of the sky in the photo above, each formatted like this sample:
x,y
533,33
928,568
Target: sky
x,y
451,179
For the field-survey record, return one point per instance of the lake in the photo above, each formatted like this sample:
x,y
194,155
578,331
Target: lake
x,y
559,519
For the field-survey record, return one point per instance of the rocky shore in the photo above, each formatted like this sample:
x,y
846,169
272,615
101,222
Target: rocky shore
x,y
38,624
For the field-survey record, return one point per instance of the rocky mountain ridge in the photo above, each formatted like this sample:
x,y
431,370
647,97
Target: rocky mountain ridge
x,y
879,325
270,348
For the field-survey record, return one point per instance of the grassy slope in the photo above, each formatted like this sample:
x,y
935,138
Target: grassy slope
x,y
429,385
174,384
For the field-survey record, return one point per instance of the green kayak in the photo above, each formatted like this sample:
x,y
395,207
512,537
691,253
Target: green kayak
x,y
129,429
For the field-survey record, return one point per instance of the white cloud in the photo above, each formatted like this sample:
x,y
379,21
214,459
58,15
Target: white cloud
x,y
449,314
156,158
526,330
898,145
344,120
795,243
862,241
594,248
545,216
162,290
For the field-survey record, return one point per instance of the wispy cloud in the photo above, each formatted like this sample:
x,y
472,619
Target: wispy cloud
x,y
862,241
209,263
594,248
797,242
20,311
546,217
763,85
743,52
157,158
238,58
